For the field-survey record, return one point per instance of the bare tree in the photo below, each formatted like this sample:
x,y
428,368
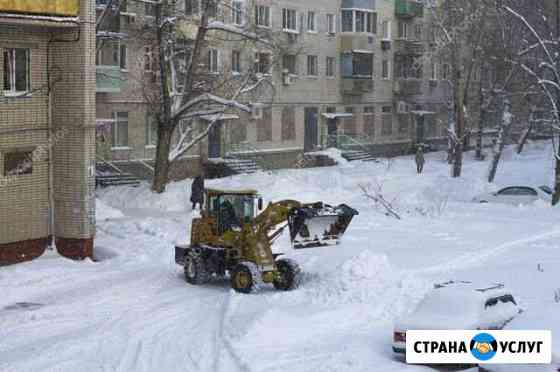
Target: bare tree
x,y
461,28
539,59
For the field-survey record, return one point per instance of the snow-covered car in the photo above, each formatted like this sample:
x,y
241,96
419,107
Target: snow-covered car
x,y
516,195
458,305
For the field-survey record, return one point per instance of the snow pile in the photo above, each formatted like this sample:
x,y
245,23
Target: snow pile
x,y
105,212
367,279
175,199
334,154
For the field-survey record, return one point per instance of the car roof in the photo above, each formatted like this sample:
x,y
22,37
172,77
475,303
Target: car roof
x,y
470,289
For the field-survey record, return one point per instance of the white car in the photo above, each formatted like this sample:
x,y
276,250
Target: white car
x,y
458,305
516,195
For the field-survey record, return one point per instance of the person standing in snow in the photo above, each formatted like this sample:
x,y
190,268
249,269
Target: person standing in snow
x,y
197,191
419,158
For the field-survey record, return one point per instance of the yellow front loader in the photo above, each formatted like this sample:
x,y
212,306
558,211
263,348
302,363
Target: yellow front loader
x,y
231,236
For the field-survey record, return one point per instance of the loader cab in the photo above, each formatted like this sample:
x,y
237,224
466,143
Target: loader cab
x,y
231,209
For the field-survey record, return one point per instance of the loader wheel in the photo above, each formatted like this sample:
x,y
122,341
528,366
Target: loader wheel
x,y
195,269
243,277
289,275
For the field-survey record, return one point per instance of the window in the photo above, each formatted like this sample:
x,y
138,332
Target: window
x,y
386,69
264,126
263,63
418,29
191,7
357,65
210,7
262,15
18,163
387,124
150,9
446,71
289,64
359,21
119,130
386,26
148,59
331,24
123,56
311,26
347,21
369,121
362,64
330,66
312,66
151,130
213,60
236,61
403,30
288,123
17,71
237,12
435,68
289,20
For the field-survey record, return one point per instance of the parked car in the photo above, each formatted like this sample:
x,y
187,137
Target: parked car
x,y
517,195
458,305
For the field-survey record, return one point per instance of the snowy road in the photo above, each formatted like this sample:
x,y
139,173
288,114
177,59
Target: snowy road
x,y
132,310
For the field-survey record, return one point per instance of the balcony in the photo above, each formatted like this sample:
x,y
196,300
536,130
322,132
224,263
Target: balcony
x,y
108,79
409,8
409,47
64,8
356,87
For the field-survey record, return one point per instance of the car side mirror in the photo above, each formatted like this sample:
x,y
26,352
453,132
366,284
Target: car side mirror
x,y
260,204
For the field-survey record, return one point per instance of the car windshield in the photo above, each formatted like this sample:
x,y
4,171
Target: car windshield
x,y
546,189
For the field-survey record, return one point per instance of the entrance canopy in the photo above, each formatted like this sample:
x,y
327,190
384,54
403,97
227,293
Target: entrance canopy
x,y
422,112
336,115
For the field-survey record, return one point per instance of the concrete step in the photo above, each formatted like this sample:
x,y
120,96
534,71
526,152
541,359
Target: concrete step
x,y
242,165
358,155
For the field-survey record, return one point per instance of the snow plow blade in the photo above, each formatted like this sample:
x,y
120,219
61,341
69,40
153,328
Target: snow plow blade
x,y
319,225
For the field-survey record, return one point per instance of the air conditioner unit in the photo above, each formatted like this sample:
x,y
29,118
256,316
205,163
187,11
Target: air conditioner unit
x,y
257,111
286,78
402,107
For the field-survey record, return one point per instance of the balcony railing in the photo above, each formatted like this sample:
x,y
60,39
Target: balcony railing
x,y
108,79
409,47
67,8
407,87
409,8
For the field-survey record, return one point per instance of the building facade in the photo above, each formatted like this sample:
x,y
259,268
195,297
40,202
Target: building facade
x,y
362,77
47,128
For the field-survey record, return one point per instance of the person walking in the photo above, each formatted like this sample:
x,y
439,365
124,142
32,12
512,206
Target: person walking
x,y
197,191
419,158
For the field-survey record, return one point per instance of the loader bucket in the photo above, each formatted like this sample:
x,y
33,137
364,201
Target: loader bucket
x,y
317,225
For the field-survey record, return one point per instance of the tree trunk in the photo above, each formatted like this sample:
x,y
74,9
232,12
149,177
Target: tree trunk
x,y
500,143
481,118
161,168
526,133
556,195
460,133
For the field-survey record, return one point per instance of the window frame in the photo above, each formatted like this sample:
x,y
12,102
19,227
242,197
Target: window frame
x,y
12,78
236,62
330,67
150,122
386,69
331,23
287,60
368,24
116,143
20,168
259,64
287,19
266,17
237,13
213,61
312,66
311,19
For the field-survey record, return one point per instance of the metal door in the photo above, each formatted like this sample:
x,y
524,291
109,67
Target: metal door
x,y
311,129
215,141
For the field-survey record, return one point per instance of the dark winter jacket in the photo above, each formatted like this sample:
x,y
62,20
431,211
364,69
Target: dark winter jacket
x,y
197,190
420,157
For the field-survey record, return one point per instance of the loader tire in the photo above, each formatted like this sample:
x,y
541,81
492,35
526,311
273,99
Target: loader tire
x,y
289,275
245,277
195,268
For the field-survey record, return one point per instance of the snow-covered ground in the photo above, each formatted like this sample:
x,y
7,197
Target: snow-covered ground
x,y
132,311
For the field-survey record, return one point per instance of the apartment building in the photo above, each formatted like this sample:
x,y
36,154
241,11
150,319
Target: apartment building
x,y
360,77
47,128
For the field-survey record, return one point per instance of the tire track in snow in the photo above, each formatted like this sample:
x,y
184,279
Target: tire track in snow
x,y
474,259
